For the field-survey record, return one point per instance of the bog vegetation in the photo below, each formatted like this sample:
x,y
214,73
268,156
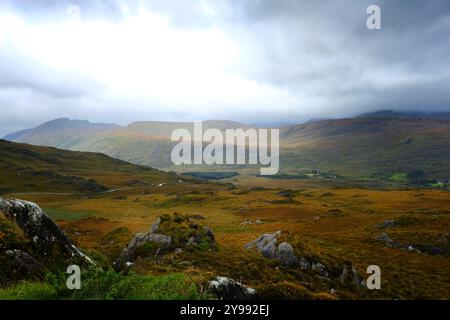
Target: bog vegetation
x,y
334,224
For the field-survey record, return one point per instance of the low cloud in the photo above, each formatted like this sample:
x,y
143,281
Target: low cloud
x,y
252,61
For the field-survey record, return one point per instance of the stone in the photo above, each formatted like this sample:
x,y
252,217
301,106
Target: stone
x,y
263,241
155,225
228,289
180,228
268,250
41,230
285,254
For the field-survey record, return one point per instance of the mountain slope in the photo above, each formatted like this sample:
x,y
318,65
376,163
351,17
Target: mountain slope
x,y
16,135
142,143
370,146
377,144
417,115
27,168
62,133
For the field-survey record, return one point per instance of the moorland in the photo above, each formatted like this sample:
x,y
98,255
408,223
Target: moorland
x,y
336,225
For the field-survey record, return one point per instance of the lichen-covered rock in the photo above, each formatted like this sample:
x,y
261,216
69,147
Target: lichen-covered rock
x,y
263,241
155,225
143,244
327,268
47,239
285,254
266,244
228,289
140,239
167,234
269,248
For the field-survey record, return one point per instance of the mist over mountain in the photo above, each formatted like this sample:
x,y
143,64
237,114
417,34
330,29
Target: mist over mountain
x,y
373,144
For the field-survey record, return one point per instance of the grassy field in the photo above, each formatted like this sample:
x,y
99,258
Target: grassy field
x,y
330,220
334,221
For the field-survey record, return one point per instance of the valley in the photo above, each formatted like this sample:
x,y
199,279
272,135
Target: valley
x,y
333,223
377,145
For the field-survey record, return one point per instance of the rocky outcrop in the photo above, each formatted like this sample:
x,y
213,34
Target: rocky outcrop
x,y
314,265
143,244
46,237
285,254
269,248
167,234
227,289
31,244
155,225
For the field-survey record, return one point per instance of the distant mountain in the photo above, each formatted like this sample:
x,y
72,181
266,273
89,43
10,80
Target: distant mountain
x,y
144,143
62,133
367,146
316,120
263,125
396,114
16,135
165,129
375,144
66,124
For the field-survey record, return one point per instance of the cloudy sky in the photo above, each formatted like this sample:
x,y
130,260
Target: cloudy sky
x,y
246,60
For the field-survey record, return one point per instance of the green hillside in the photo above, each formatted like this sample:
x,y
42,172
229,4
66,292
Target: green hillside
x,y
370,146
27,168
373,145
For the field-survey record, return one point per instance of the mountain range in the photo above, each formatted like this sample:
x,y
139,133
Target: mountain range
x,y
378,144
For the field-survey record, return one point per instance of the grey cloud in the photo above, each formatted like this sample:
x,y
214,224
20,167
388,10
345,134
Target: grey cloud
x,y
56,10
319,51
324,47
22,72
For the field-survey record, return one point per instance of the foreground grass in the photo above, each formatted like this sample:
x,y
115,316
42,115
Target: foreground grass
x,y
338,222
107,285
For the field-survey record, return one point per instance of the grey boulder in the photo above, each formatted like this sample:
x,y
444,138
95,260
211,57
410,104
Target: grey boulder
x,y
228,289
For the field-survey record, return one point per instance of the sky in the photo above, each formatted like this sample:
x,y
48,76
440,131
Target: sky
x,y
254,61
